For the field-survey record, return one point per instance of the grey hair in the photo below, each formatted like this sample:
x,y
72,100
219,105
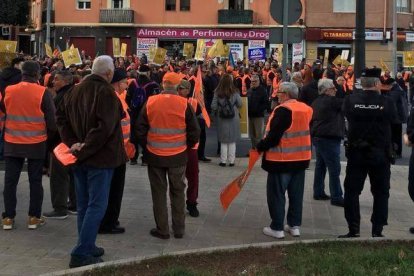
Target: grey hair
x,y
324,85
369,82
102,64
297,75
289,88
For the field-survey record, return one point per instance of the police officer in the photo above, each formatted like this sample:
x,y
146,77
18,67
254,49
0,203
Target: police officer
x,y
368,151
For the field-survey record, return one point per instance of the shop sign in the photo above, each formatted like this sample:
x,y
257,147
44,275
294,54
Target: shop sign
x,y
182,33
236,50
372,36
409,37
336,35
253,44
144,44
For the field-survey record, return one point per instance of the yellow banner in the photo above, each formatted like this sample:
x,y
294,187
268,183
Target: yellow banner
x,y
159,57
188,50
384,66
216,49
337,61
72,46
123,49
116,47
8,46
71,56
408,59
226,51
6,59
201,45
49,51
151,55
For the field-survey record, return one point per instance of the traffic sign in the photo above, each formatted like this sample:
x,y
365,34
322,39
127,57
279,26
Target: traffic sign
x,y
295,11
295,35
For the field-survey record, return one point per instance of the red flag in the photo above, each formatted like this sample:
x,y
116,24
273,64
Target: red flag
x,y
198,94
230,191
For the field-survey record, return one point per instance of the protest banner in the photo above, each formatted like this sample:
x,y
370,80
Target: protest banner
x,y
408,59
200,50
71,56
123,49
257,54
159,56
116,47
49,51
144,45
188,50
8,46
237,51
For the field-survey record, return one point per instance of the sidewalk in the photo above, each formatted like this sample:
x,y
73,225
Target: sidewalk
x,y
25,252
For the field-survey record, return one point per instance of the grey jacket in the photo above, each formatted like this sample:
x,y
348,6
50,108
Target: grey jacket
x,y
228,130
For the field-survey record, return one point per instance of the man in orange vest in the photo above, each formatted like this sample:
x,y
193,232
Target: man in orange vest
x,y
191,172
287,147
246,82
110,223
30,118
167,126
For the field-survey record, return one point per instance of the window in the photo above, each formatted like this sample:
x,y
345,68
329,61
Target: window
x,y
170,5
185,5
236,4
404,6
344,6
117,4
84,4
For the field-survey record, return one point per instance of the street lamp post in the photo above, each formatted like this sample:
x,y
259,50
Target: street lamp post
x,y
394,38
48,11
359,38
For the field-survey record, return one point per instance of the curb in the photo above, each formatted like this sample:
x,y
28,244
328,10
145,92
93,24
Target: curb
x,y
78,271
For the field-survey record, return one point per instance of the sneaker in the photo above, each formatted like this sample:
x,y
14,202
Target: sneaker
x,y
72,210
294,230
78,261
35,222
55,215
8,223
192,210
321,197
273,233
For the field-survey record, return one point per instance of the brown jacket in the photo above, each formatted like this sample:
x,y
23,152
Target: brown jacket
x,y
91,113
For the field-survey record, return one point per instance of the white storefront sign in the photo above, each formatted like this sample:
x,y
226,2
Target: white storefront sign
x,y
143,45
237,50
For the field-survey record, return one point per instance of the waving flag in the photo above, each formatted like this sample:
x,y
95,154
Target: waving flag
x,y
199,95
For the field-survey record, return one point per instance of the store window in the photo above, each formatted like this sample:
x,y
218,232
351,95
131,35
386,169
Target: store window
x,y
185,5
236,4
344,6
84,4
170,5
404,6
117,4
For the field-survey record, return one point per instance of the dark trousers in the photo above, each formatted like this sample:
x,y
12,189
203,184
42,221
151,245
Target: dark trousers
x,y
379,175
191,173
277,185
411,175
203,137
115,198
62,186
159,185
14,167
396,132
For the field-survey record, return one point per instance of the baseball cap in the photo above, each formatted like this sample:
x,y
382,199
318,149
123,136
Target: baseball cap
x,y
172,78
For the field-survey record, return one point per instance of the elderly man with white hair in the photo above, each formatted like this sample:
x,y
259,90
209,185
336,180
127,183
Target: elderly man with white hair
x,y
287,147
89,122
327,131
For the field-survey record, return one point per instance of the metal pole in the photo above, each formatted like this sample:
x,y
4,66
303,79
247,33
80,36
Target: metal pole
x,y
359,38
48,11
285,38
394,38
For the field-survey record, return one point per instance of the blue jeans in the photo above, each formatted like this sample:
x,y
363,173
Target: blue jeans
x,y
92,192
327,156
277,185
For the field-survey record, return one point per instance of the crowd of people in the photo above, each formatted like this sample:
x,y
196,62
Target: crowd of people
x,y
109,111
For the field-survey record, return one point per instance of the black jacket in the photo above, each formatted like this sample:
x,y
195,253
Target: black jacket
x,y
398,96
309,93
258,102
327,119
9,76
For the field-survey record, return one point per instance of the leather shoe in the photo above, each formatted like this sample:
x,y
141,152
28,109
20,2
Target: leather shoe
x,y
98,252
322,197
349,235
412,230
113,230
154,232
222,164
377,231
339,202
204,159
178,236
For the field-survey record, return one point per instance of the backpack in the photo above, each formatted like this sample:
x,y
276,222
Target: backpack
x,y
226,111
139,95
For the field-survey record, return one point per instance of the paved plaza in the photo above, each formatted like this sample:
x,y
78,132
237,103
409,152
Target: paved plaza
x,y
26,252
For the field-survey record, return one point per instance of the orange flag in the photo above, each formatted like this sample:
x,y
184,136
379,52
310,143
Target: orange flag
x,y
64,155
230,191
199,96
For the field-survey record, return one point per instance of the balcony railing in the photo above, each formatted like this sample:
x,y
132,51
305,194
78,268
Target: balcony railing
x,y
235,17
116,16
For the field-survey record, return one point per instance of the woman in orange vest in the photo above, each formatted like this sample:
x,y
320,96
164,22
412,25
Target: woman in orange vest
x,y
110,223
287,147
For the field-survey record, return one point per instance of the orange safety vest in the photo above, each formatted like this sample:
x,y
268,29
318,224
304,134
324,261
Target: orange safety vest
x,y
25,121
2,116
244,86
264,73
268,80
350,82
275,86
193,103
166,117
295,144
125,122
